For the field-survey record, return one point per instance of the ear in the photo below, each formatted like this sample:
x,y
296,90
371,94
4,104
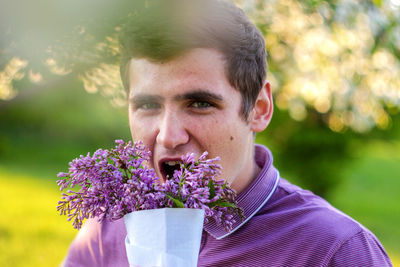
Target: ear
x,y
261,113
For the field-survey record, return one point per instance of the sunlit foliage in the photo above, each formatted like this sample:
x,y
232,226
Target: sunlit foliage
x,y
340,58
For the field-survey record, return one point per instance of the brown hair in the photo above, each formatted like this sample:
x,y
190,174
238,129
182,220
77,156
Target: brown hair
x,y
160,30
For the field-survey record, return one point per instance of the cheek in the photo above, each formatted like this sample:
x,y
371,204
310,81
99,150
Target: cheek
x,y
133,127
233,144
219,140
209,131
140,130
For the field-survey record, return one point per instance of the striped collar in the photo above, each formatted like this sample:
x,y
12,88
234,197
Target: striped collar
x,y
254,197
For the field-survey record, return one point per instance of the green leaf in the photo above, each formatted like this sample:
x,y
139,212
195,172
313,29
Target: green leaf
x,y
225,185
212,189
222,204
177,202
377,3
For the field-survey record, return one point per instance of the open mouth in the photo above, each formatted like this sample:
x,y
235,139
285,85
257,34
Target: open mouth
x,y
169,167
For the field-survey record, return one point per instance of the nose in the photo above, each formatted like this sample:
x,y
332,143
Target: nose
x,y
172,132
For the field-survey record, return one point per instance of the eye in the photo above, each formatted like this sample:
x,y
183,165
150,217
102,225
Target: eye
x,y
148,106
201,104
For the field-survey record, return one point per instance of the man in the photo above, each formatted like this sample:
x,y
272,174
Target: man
x,y
195,72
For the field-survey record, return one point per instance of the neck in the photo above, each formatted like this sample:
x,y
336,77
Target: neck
x,y
243,184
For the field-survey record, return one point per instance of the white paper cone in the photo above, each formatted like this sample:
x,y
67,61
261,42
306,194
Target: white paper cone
x,y
168,237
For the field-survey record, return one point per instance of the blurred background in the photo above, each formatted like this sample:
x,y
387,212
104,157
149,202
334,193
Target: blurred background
x,y
335,71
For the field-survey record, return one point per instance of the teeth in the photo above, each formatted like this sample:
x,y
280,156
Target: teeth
x,y
172,163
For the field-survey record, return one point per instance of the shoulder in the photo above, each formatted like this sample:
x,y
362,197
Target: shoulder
x,y
98,244
362,249
301,208
307,219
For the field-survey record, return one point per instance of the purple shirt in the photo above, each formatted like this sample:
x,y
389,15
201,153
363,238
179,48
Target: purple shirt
x,y
284,226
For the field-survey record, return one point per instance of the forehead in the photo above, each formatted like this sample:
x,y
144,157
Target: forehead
x,y
200,68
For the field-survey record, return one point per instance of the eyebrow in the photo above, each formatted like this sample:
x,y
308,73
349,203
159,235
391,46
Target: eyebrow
x,y
199,95
145,98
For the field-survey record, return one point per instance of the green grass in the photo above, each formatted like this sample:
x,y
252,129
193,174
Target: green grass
x,y
371,193
31,231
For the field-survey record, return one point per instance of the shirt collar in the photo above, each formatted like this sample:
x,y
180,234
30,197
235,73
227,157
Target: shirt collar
x,y
254,196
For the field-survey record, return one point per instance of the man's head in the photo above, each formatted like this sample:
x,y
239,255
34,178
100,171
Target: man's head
x,y
189,93
161,30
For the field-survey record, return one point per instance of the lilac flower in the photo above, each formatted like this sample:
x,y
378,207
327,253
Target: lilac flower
x,y
195,185
112,183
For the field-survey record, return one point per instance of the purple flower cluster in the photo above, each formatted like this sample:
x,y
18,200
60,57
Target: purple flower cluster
x,y
195,186
112,183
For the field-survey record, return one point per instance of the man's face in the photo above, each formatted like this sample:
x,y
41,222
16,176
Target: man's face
x,y
187,105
